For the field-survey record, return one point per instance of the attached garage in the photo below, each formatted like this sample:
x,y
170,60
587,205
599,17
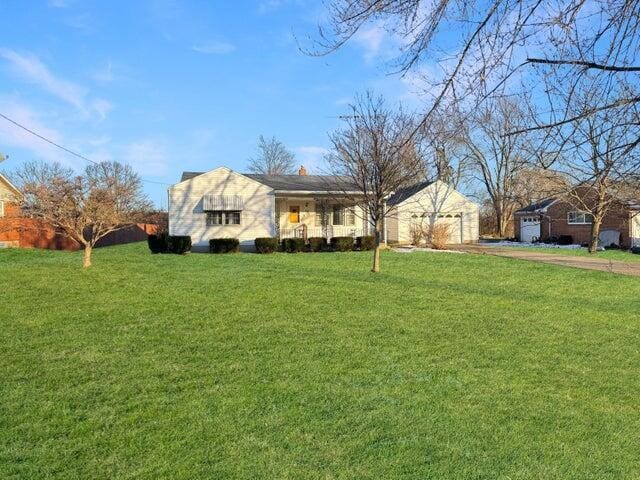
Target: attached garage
x,y
530,228
428,204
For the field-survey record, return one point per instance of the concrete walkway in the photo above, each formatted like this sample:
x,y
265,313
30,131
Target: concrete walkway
x,y
589,263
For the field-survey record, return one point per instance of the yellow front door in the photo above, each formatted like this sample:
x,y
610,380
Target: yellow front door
x,y
294,214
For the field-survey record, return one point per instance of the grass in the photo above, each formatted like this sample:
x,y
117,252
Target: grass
x,y
622,255
307,366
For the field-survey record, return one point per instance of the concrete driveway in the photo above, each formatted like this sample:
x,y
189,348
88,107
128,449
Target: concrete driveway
x,y
588,263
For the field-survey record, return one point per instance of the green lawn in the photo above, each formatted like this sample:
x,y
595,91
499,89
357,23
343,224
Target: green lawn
x,y
308,366
623,255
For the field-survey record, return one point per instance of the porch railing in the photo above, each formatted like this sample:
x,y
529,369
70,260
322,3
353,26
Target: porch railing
x,y
328,232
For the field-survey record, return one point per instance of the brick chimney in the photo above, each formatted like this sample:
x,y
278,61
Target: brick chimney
x,y
303,171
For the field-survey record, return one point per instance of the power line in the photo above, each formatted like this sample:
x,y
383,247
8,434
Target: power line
x,y
61,147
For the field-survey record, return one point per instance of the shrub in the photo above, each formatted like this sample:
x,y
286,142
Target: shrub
x,y
317,244
565,240
179,244
293,245
438,236
342,244
224,245
367,242
266,244
635,250
417,234
158,243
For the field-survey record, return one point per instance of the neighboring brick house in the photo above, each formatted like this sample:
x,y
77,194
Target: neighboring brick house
x,y
557,216
18,231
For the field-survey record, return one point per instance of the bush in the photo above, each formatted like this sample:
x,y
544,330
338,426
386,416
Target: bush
x,y
342,244
293,245
224,245
158,243
635,250
179,244
565,240
417,234
367,242
266,244
438,236
317,244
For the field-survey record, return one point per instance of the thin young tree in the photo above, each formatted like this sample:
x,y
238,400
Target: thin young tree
x,y
106,197
273,158
373,153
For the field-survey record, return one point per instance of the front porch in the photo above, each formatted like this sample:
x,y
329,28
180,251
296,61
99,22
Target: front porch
x,y
316,216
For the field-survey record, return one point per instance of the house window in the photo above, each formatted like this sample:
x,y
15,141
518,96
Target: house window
x,y
349,217
338,215
579,218
294,214
223,218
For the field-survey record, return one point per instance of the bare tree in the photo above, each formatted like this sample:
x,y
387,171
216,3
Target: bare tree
x,y
496,42
445,159
373,152
596,152
273,158
498,158
106,197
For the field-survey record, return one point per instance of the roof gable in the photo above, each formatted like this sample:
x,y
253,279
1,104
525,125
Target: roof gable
x,y
5,181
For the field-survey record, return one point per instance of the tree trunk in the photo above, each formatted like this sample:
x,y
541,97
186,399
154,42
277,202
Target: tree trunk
x,y
595,233
498,215
376,250
86,260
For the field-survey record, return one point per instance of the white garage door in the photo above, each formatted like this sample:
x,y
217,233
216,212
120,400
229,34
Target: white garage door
x,y
635,230
453,222
529,229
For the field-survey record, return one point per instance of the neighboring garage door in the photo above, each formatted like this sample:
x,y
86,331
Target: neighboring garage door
x,y
529,229
635,230
453,222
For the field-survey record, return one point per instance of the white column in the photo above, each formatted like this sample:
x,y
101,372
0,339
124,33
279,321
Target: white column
x,y
384,223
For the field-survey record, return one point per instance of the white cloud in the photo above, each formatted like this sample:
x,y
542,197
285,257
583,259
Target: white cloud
x,y
214,48
371,40
29,67
102,107
312,157
149,157
15,137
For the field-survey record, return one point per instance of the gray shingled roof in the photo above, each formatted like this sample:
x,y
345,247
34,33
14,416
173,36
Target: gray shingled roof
x,y
404,193
534,207
300,183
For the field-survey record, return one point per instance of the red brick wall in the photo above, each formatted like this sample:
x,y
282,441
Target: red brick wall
x,y
554,223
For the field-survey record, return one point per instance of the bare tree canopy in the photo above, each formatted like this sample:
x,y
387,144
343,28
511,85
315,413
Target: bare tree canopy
x,y
374,152
273,158
596,152
470,46
106,197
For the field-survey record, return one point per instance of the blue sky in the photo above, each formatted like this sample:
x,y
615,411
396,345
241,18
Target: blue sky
x,y
168,86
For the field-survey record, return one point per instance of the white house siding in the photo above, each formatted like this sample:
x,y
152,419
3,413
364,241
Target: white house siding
x,y
436,199
187,217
